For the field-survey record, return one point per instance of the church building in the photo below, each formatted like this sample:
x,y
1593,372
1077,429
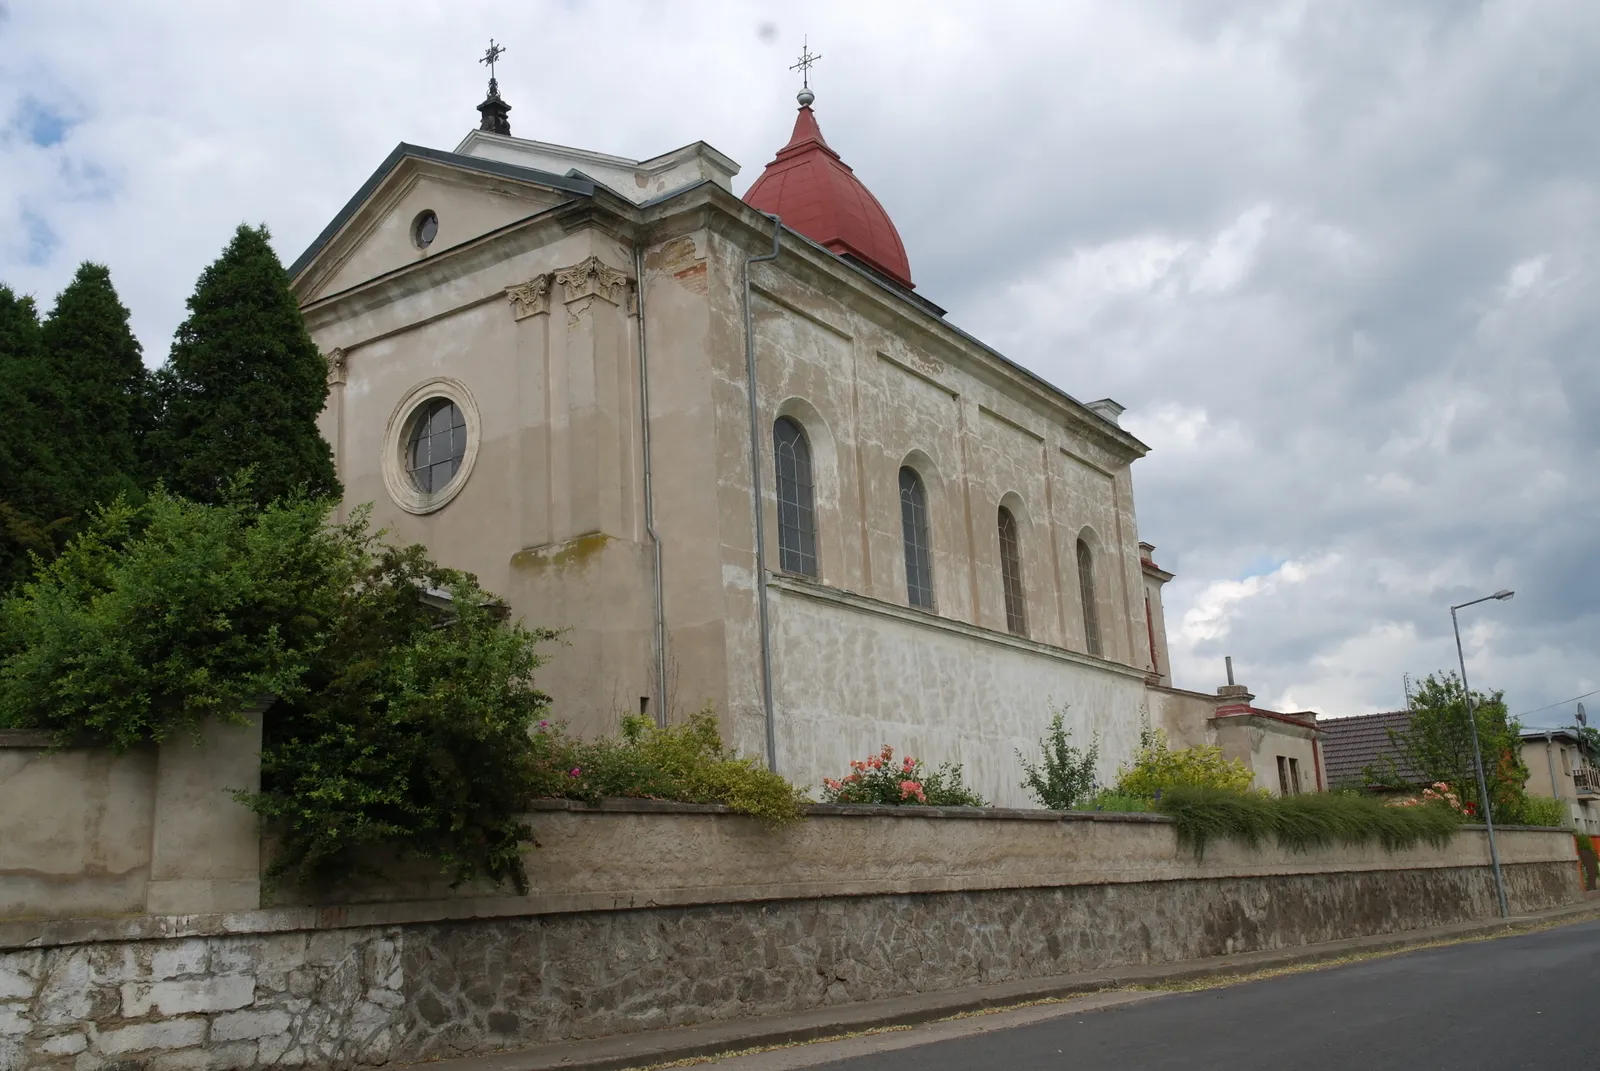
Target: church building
x,y
726,445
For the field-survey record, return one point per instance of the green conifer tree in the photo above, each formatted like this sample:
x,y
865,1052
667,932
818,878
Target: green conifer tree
x,y
35,492
94,360
244,384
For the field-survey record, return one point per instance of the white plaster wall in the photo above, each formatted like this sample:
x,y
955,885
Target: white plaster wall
x,y
851,675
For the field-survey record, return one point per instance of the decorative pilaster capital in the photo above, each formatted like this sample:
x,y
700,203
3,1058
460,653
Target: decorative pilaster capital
x,y
336,366
530,298
593,278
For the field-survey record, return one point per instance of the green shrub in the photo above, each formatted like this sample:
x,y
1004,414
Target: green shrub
x,y
1302,822
413,730
879,779
159,615
1588,859
1156,768
1065,774
1109,799
686,763
1523,809
393,726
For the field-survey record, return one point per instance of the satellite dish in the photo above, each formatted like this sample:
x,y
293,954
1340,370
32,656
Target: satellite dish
x,y
1583,719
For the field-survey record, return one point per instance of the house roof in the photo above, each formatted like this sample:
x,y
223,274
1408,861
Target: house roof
x,y
1569,735
1351,744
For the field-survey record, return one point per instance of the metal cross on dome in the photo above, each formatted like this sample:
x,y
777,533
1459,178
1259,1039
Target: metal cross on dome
x,y
805,63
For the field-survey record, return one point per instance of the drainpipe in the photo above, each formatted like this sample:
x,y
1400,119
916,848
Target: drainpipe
x,y
755,492
649,495
1551,762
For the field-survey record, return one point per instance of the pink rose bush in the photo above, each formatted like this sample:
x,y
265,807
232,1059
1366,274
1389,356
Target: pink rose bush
x,y
881,779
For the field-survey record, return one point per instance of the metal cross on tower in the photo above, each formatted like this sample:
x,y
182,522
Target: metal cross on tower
x,y
807,59
492,53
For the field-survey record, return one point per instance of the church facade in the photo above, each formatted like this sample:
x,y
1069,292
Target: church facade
x,y
726,446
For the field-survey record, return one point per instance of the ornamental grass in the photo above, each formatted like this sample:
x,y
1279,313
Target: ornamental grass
x,y
1303,822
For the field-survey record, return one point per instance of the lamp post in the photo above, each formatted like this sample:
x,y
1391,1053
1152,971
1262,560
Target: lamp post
x,y
1477,753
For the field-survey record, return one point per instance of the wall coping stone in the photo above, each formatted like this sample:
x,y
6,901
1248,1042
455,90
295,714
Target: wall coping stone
x,y
25,738
623,805
631,805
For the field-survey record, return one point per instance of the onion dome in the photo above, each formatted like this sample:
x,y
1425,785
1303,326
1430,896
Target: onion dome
x,y
816,194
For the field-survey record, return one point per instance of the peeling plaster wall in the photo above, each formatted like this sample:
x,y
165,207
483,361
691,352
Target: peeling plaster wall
x,y
853,675
877,385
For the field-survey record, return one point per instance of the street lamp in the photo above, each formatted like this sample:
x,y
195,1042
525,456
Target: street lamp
x,y
1477,755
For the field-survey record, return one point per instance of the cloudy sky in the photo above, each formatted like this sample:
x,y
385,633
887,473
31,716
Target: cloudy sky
x,y
1340,260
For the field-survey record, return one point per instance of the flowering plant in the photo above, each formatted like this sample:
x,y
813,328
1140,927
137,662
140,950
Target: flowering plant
x,y
907,782
1439,792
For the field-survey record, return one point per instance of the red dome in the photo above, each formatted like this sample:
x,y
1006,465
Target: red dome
x,y
816,194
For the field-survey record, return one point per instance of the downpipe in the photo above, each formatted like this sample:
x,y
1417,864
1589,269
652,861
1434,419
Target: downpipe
x,y
756,495
649,495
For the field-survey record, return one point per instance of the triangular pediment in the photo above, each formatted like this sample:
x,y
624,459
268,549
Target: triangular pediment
x,y
379,231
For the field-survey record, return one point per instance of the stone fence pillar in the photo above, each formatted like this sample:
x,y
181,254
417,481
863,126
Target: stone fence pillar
x,y
205,849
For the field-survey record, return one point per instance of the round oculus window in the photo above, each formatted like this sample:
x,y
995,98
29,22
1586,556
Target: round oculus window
x,y
435,445
425,228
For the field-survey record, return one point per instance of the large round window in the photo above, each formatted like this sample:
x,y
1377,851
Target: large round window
x,y
436,445
430,445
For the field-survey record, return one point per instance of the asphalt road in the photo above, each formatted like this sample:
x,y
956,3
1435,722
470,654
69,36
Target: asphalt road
x,y
1531,1001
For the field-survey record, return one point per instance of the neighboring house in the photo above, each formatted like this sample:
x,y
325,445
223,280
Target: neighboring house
x,y
1353,744
1285,751
538,369
1559,768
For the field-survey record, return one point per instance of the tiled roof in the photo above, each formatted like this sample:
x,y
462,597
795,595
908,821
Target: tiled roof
x,y
1350,744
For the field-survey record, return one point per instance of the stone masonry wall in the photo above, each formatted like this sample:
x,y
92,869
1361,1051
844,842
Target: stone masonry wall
x,y
366,996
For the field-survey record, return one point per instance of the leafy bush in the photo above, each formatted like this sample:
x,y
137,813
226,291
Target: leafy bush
x,y
1065,775
1109,799
1528,810
1588,860
686,763
1156,769
412,728
392,726
1302,822
157,616
879,779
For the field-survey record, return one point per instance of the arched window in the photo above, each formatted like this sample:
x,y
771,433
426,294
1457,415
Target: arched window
x,y
797,519
919,548
1091,611
1011,574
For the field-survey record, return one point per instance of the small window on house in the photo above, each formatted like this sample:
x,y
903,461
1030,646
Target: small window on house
x,y
1294,776
1091,611
424,229
914,532
1011,574
1283,776
797,519
1566,762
